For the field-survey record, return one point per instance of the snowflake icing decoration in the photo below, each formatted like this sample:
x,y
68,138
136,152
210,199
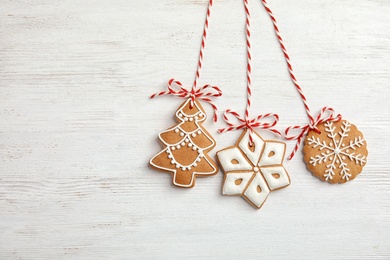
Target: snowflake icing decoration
x,y
253,171
337,154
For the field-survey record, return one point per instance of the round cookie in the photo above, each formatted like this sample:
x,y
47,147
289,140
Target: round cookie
x,y
337,154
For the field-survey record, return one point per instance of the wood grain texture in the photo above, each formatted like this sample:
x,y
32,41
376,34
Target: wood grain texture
x,y
77,129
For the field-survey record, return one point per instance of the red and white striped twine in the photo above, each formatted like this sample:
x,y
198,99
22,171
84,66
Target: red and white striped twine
x,y
320,117
247,122
249,58
195,92
202,45
326,114
192,94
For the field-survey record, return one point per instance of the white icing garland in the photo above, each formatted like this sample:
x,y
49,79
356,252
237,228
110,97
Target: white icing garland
x,y
336,151
187,141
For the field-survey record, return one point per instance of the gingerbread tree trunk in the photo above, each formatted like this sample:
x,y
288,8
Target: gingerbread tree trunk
x,y
186,147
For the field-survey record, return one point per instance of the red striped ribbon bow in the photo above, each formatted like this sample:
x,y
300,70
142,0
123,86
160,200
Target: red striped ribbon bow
x,y
326,114
250,123
192,94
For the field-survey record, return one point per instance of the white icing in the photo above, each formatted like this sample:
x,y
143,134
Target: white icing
x,y
231,188
275,183
277,158
244,146
238,161
252,194
336,152
228,155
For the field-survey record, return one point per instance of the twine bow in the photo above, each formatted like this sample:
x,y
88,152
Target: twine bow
x,y
249,123
326,114
194,93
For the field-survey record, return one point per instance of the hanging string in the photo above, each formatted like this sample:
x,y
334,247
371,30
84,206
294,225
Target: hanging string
x,y
195,92
247,122
202,45
198,93
326,113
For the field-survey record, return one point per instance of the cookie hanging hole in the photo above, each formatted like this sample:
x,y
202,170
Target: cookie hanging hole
x,y
234,161
258,189
272,153
238,182
251,146
276,175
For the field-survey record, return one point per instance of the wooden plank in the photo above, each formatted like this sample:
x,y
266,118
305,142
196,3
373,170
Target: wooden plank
x,y
77,129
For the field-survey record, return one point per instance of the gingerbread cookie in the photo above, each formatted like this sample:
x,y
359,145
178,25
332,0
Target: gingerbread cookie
x,y
337,154
253,171
186,147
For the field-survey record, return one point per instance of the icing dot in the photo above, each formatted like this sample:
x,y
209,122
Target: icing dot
x,y
194,148
183,144
330,158
337,141
343,157
193,135
181,134
183,168
199,151
330,144
180,114
173,148
256,169
177,166
343,145
201,155
190,145
196,118
187,140
199,132
198,160
337,161
178,146
194,164
327,152
169,156
201,115
167,151
347,150
189,168
176,130
191,119
172,162
186,119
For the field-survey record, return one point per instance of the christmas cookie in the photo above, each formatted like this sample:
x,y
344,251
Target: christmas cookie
x,y
185,147
337,154
253,171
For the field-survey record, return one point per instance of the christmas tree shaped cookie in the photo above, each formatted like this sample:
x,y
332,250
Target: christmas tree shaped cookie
x,y
185,147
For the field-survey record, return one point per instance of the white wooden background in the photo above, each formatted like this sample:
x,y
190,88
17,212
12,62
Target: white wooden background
x,y
77,129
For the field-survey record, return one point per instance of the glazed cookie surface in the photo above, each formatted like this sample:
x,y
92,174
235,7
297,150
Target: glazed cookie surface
x,y
253,171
